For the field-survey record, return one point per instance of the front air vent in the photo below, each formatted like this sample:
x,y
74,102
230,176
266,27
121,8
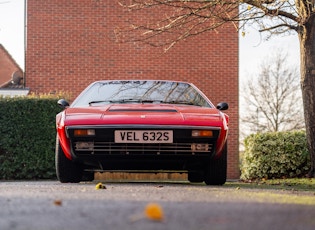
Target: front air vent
x,y
111,148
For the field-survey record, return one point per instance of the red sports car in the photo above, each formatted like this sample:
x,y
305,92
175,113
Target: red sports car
x,y
142,126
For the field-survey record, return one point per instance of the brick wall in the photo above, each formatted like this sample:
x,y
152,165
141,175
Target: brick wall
x,y
7,67
71,43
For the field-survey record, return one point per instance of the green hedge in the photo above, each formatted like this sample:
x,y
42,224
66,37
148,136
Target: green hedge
x,y
275,155
27,144
27,141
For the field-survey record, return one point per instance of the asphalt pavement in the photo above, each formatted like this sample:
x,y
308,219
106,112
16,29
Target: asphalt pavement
x,y
52,205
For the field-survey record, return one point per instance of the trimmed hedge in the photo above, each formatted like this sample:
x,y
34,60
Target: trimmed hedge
x,y
28,134
275,155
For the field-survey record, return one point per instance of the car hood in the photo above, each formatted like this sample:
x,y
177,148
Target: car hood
x,y
142,114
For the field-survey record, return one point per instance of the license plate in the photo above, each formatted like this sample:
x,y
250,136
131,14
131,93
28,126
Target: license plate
x,y
143,136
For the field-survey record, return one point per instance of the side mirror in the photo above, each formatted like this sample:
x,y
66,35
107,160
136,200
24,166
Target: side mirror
x,y
63,103
222,106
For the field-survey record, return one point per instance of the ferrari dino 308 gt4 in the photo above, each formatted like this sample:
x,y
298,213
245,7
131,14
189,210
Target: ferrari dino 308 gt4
x,y
142,126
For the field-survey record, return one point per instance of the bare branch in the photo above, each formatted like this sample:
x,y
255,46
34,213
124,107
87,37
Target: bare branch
x,y
187,18
290,27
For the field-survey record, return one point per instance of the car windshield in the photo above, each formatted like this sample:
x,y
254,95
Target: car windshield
x,y
140,92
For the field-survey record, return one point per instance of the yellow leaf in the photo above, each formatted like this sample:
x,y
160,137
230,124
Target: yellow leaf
x,y
154,211
100,186
249,7
243,34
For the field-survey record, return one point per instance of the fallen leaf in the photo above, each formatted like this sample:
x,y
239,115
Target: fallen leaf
x,y
57,202
100,186
154,211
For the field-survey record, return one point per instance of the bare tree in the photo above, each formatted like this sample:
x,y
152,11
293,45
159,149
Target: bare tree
x,y
186,18
272,100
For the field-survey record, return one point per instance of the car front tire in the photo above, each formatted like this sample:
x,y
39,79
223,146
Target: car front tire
x,y
67,171
195,176
217,169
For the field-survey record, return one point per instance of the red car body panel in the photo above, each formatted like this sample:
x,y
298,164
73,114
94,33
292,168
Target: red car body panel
x,y
142,114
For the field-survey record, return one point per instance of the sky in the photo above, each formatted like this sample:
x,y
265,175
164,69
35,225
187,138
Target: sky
x,y
12,28
252,49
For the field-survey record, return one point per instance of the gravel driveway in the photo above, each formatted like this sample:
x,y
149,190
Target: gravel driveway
x,y
51,205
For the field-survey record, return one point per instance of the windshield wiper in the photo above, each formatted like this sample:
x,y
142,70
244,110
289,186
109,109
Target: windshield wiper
x,y
181,103
126,101
151,101
135,101
96,102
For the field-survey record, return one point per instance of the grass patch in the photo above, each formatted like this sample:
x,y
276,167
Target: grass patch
x,y
299,191
295,184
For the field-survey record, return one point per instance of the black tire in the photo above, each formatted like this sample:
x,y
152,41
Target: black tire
x,y
217,169
196,177
88,176
67,171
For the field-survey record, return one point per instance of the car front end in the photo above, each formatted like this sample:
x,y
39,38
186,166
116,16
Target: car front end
x,y
142,136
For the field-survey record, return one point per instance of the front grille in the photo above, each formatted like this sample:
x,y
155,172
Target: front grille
x,y
111,148
103,143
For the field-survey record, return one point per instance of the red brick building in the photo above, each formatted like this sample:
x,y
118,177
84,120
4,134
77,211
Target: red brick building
x,y
71,43
11,75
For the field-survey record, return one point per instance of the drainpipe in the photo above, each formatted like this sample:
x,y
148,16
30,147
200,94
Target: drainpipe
x,y
25,33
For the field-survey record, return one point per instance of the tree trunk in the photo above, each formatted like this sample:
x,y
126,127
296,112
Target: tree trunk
x,y
307,49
